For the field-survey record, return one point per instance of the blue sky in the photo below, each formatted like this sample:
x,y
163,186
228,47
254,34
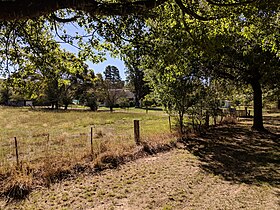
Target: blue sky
x,y
100,67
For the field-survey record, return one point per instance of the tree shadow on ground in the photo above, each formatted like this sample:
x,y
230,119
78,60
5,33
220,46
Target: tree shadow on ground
x,y
239,154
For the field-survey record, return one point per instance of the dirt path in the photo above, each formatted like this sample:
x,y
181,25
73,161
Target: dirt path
x,y
172,180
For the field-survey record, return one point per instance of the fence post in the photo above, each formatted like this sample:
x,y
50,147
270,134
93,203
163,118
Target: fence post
x,y
16,146
91,144
136,132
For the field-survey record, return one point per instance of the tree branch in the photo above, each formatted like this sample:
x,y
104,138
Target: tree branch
x,y
26,9
213,2
64,20
190,12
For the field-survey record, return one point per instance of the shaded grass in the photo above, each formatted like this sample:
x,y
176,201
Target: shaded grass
x,y
239,154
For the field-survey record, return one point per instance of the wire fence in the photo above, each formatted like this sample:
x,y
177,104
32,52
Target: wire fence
x,y
37,148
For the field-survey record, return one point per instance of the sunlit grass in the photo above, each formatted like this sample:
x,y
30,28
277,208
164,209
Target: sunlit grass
x,y
46,133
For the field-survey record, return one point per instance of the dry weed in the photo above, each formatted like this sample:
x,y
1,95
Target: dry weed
x,y
229,120
18,184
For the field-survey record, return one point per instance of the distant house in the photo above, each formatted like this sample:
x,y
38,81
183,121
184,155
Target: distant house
x,y
129,95
117,94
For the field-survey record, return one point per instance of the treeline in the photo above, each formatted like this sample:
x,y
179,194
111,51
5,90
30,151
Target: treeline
x,y
76,84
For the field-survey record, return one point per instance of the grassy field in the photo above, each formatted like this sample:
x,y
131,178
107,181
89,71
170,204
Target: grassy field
x,y
56,132
50,141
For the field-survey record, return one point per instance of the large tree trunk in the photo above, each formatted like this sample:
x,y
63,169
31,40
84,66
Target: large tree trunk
x,y
258,118
181,122
278,103
56,105
137,102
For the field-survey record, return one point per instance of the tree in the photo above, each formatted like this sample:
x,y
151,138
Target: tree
x,y
132,53
240,48
25,9
5,92
51,78
181,14
176,89
89,99
112,74
244,51
171,66
135,77
108,91
95,17
251,68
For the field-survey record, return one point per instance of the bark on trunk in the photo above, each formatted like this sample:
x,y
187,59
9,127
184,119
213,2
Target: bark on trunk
x,y
56,105
278,103
137,102
258,118
181,122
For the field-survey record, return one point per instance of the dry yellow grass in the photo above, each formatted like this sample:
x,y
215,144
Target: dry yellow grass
x,y
172,180
52,143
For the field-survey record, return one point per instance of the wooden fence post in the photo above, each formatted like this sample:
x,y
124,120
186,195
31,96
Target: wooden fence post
x,y
91,143
16,147
136,132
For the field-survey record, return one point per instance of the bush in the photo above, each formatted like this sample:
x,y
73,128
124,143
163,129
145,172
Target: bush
x,y
91,102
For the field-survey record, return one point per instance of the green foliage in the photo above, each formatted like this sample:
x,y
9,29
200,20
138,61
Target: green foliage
x,y
109,90
123,102
91,101
241,48
41,71
112,74
5,93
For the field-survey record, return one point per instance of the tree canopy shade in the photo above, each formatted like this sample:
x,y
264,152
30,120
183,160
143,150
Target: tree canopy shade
x,y
26,9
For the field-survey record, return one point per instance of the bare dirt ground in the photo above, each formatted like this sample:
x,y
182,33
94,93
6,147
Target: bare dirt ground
x,y
229,167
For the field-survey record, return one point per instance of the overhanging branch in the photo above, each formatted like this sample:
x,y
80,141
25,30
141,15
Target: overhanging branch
x,y
213,2
64,20
26,9
190,12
